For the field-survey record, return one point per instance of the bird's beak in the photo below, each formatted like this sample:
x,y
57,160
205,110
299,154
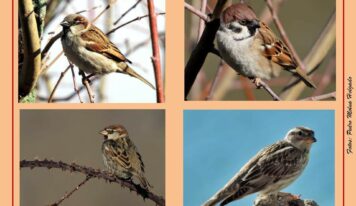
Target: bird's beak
x,y
65,24
103,132
311,139
255,24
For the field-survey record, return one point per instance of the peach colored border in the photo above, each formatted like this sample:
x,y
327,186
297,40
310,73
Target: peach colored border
x,y
174,106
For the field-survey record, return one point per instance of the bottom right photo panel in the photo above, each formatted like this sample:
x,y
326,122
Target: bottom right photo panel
x,y
259,157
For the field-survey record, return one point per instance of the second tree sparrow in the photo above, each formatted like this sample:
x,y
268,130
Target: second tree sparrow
x,y
251,48
271,169
91,51
121,156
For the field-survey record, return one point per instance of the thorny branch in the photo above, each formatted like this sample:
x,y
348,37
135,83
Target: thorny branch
x,y
67,195
93,173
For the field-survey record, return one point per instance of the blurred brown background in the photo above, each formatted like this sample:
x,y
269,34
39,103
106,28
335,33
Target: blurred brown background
x,y
303,21
72,136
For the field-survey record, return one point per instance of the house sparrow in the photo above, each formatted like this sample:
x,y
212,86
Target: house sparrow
x,y
91,51
120,155
271,169
251,48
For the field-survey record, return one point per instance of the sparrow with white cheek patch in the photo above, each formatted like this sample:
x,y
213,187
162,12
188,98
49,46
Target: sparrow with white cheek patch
x,y
251,48
91,51
121,156
271,169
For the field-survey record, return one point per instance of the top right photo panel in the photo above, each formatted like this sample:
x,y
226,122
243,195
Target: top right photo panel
x,y
271,50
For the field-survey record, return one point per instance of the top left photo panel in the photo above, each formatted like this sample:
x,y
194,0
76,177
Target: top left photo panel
x,y
90,51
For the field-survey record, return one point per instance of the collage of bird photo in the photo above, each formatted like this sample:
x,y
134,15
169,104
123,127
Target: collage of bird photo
x,y
179,103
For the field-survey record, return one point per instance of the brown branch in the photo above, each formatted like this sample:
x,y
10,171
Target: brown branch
x,y
76,90
93,173
204,46
156,59
131,21
195,11
31,68
85,82
331,95
50,43
56,86
284,35
261,84
67,195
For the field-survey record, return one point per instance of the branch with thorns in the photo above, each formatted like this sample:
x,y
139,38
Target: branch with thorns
x,y
91,173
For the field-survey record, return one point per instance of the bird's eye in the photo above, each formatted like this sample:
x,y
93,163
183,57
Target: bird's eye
x,y
110,131
300,133
243,22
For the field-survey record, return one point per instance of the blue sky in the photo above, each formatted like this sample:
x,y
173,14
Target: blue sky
x,y
217,143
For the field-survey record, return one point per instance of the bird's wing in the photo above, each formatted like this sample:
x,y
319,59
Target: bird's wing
x,y
269,166
99,42
138,168
118,154
274,49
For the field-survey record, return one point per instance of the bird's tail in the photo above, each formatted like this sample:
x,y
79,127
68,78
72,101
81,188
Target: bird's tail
x,y
144,182
304,77
218,197
128,70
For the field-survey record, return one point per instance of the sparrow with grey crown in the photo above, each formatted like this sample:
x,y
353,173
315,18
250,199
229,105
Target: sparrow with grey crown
x,y
251,48
271,169
91,51
121,156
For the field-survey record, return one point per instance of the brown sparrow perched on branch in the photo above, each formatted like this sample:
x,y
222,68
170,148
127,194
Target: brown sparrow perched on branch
x,y
271,169
251,48
91,51
120,155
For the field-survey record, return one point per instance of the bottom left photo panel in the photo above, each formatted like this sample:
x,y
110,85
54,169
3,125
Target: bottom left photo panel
x,y
92,157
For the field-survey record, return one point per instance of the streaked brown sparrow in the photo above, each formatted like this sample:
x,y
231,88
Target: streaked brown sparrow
x,y
121,156
271,169
91,51
251,48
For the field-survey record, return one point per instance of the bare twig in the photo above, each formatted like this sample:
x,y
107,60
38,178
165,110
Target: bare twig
x,y
85,81
266,16
67,195
93,173
331,95
156,59
201,21
195,11
56,86
126,12
263,85
101,13
50,43
75,83
219,74
131,21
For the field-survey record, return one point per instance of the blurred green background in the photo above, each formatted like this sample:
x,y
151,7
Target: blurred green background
x,y
303,20
72,136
